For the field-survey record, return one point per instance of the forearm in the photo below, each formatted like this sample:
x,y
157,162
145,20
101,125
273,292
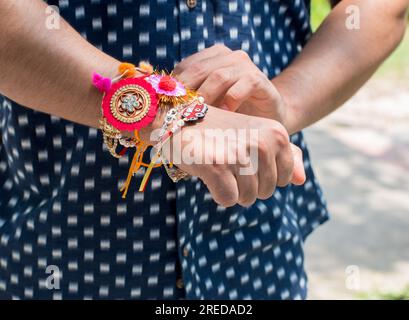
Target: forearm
x,y
49,70
337,62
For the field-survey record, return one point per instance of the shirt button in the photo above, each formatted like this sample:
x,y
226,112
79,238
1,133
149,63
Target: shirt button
x,y
179,283
191,3
185,252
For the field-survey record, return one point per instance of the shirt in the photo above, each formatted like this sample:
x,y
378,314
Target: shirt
x,y
60,206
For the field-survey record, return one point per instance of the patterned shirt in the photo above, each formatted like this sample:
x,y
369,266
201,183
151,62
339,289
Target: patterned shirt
x,y
59,200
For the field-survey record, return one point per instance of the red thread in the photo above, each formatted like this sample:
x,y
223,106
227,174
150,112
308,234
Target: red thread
x,y
123,151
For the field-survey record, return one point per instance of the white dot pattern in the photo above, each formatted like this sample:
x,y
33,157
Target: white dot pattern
x,y
59,198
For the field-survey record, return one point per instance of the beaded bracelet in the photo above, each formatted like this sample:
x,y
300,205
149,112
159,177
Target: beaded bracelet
x,y
131,101
175,119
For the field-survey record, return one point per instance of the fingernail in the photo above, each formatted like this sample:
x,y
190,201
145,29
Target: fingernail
x,y
225,107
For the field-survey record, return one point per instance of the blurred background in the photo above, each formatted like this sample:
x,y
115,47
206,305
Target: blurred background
x,y
361,157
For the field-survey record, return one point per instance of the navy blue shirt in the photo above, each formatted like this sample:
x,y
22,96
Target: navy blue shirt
x,y
59,200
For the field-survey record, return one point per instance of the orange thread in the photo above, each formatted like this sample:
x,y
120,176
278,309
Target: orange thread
x,y
135,165
147,174
127,69
146,67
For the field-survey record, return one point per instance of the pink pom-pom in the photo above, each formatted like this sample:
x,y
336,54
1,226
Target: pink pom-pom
x,y
103,84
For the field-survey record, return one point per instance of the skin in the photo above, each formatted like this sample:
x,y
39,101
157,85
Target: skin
x,y
49,71
279,162
345,59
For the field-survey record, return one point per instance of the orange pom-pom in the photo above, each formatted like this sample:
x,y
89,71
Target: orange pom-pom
x,y
145,67
127,69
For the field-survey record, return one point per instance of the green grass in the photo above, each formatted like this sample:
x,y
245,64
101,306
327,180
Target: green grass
x,y
377,295
319,10
397,65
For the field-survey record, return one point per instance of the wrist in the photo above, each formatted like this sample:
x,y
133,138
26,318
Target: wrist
x,y
291,117
136,102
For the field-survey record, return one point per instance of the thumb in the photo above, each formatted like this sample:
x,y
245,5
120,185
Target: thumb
x,y
299,172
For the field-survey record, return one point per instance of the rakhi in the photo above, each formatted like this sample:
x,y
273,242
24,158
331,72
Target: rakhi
x,y
131,102
176,119
124,105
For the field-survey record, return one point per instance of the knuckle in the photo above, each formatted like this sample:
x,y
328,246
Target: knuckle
x,y
197,68
258,79
227,199
220,76
266,193
279,134
233,96
284,179
267,185
229,202
241,55
285,173
247,201
265,196
248,191
263,148
220,48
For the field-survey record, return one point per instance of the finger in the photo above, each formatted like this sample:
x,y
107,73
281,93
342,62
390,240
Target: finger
x,y
267,179
215,50
236,95
248,184
248,189
223,188
253,84
285,165
194,70
218,83
298,176
197,73
290,166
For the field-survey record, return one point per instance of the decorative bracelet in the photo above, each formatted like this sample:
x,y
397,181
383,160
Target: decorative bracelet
x,y
131,101
175,119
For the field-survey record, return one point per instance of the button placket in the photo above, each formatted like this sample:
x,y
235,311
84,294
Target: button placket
x,y
191,4
179,283
185,252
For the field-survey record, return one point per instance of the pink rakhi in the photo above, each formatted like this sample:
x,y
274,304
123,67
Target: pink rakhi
x,y
130,104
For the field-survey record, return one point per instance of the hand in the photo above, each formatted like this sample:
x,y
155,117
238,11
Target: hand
x,y
279,162
230,80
